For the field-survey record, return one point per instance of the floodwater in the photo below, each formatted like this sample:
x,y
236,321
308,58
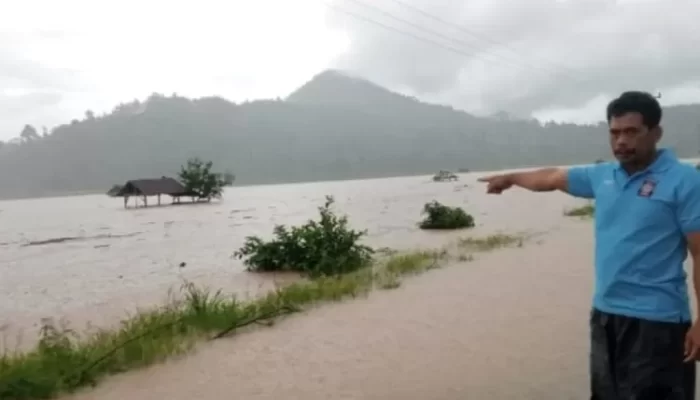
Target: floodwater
x,y
123,259
511,324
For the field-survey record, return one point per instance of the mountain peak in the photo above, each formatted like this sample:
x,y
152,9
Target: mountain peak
x,y
341,88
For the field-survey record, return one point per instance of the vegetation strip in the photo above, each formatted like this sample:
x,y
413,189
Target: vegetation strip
x,y
63,362
585,212
326,251
440,216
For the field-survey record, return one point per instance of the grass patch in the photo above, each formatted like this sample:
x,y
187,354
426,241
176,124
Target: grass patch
x,y
64,361
587,211
389,274
440,216
491,242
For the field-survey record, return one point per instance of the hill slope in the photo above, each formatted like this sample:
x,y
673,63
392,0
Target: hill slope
x,y
334,127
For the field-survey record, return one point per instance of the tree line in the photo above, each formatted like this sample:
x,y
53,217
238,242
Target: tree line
x,y
334,127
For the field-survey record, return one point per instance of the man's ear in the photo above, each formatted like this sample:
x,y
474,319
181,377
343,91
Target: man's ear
x,y
658,132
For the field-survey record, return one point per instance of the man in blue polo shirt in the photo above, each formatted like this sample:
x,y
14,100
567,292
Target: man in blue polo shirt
x,y
643,346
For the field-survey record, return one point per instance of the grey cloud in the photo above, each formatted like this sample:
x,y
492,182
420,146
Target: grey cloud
x,y
26,74
29,108
19,70
557,53
15,104
42,88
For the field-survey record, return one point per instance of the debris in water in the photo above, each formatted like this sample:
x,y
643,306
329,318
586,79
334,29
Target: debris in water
x,y
76,238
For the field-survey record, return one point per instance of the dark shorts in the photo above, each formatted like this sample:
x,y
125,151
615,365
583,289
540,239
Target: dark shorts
x,y
635,359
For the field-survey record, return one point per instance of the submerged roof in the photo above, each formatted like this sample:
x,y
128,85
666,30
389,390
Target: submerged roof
x,y
152,187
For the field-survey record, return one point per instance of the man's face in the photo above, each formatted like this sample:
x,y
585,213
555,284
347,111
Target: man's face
x,y
632,141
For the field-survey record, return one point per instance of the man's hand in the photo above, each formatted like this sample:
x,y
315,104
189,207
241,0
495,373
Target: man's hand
x,y
692,337
692,343
496,184
540,180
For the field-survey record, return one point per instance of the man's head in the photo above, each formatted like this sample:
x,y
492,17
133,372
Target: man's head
x,y
634,119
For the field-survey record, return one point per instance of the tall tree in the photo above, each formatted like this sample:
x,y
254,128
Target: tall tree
x,y
28,133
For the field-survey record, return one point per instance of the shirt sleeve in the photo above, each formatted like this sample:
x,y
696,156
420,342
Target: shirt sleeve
x,y
580,181
688,209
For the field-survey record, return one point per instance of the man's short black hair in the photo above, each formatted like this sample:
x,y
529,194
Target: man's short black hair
x,y
640,102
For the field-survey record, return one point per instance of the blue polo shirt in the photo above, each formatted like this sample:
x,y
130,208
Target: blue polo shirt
x,y
641,222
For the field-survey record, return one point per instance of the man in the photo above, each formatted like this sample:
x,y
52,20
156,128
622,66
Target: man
x,y
647,217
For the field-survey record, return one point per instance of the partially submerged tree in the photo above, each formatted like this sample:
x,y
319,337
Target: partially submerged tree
x,y
327,246
200,181
439,216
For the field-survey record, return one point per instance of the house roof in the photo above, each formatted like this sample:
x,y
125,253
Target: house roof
x,y
152,187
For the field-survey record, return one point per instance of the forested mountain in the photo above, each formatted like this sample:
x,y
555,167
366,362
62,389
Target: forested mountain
x,y
333,127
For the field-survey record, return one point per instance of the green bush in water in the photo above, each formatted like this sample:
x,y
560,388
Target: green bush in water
x,y
439,216
317,248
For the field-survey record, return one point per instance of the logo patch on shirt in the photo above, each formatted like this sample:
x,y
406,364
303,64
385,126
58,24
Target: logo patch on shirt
x,y
647,188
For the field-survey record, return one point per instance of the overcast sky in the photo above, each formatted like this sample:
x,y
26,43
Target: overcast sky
x,y
560,59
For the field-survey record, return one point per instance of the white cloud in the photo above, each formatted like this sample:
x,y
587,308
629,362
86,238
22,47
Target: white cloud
x,y
96,54
557,57
60,58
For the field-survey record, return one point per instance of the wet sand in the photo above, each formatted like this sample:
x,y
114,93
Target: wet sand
x,y
510,325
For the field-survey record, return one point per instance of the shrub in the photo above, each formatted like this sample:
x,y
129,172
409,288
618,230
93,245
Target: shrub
x,y
440,216
317,248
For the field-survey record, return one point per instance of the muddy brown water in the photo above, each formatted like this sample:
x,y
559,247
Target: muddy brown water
x,y
87,259
511,324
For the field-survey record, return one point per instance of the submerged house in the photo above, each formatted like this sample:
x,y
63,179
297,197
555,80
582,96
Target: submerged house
x,y
144,188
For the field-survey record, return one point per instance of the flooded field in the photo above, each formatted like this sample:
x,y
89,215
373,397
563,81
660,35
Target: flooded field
x,y
512,324
88,259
